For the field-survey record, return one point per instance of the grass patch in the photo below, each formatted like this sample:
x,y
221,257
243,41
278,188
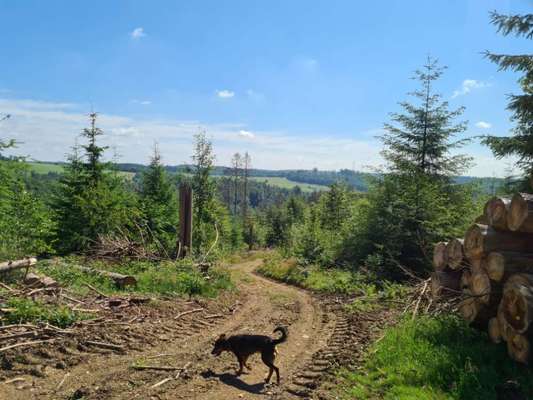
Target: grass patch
x,y
435,359
164,278
25,310
285,183
369,295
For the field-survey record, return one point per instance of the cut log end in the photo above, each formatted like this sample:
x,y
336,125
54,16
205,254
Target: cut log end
x,y
519,348
440,258
480,285
495,266
518,212
454,253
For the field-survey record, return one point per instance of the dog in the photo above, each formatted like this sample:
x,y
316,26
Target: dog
x,y
243,346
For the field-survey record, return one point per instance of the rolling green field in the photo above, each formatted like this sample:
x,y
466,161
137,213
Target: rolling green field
x,y
44,168
287,184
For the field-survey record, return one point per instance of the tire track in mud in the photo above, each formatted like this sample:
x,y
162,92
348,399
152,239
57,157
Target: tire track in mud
x,y
321,337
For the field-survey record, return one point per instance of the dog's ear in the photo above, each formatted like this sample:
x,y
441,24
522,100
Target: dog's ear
x,y
223,336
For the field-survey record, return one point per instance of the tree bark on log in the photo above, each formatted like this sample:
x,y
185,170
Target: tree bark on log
x,y
497,212
454,253
440,256
482,239
520,215
120,280
501,265
494,330
517,302
445,283
37,281
18,264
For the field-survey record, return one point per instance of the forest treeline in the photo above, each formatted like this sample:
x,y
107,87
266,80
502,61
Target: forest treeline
x,y
412,204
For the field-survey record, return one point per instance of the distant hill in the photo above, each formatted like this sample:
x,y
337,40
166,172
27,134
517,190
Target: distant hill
x,y
309,180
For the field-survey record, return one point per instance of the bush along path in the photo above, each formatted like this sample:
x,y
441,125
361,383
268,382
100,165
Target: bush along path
x,y
121,347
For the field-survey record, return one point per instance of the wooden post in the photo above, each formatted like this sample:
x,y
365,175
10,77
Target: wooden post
x,y
185,231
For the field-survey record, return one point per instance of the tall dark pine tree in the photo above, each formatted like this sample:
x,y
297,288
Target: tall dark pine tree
x,y
420,139
520,144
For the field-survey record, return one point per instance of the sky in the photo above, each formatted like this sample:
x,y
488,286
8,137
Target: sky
x,y
297,84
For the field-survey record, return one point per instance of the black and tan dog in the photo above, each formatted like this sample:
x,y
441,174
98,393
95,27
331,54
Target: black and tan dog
x,y
243,346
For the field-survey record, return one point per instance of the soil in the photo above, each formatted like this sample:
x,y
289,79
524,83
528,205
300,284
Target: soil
x,y
322,337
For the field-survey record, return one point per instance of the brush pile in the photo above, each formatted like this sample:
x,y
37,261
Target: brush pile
x,y
490,273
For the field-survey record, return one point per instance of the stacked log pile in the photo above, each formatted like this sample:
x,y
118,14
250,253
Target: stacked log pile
x,y
490,272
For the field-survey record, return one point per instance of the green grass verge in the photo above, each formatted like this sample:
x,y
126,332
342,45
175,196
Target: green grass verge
x,y
435,359
164,278
369,295
23,310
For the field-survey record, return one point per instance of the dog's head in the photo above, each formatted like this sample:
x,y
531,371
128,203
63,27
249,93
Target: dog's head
x,y
221,344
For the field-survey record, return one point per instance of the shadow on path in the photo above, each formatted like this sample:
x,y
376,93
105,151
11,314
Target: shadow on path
x,y
235,381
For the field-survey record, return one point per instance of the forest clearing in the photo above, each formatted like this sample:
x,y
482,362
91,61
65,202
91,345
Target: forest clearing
x,y
251,210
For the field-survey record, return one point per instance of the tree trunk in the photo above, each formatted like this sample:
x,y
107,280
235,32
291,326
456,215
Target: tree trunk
x,y
186,212
37,281
454,252
445,283
520,216
12,265
481,239
440,257
120,280
501,265
518,302
494,330
497,210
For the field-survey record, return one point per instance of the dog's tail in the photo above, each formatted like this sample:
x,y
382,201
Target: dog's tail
x,y
284,333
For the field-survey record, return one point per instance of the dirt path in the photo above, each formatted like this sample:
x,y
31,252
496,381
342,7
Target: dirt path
x,y
264,305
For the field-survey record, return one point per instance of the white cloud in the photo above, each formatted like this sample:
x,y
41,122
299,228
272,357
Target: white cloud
x,y
141,102
225,94
467,86
246,134
138,33
46,131
483,125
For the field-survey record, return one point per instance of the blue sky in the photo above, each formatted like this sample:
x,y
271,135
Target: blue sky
x,y
298,84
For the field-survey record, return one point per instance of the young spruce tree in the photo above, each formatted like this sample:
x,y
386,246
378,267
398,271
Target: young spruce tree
x,y
520,143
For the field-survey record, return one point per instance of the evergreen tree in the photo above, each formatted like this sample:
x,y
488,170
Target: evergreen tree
x,y
236,164
159,202
246,164
204,192
520,144
420,139
90,202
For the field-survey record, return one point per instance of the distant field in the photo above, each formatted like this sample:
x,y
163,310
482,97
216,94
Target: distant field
x,y
43,168
287,184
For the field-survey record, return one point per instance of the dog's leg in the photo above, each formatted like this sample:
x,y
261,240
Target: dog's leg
x,y
245,362
268,359
241,365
